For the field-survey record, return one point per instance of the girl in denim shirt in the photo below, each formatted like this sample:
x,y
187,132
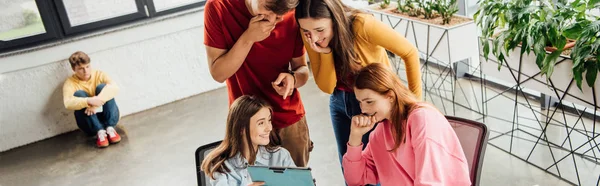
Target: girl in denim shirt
x,y
247,142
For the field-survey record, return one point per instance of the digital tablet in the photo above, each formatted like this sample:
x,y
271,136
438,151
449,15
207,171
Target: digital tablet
x,y
276,176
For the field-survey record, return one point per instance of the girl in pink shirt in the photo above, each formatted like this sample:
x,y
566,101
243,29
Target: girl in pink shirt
x,y
413,144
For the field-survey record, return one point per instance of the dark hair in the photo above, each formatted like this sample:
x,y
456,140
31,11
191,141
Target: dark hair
x,y
238,124
342,44
280,7
379,78
78,58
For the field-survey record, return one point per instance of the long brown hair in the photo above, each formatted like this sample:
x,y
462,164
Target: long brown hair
x,y
238,128
381,79
342,44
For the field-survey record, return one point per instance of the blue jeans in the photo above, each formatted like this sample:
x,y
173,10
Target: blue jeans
x,y
109,117
342,107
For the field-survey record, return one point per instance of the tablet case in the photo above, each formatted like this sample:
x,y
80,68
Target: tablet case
x,y
277,176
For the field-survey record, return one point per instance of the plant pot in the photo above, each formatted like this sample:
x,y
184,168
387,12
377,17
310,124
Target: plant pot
x,y
570,44
374,1
377,6
454,43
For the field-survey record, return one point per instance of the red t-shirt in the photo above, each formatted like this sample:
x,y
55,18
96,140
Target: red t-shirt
x,y
224,23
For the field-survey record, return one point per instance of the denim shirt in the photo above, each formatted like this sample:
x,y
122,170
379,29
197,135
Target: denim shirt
x,y
237,165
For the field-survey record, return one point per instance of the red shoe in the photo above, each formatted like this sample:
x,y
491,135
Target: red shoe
x,y
101,140
113,136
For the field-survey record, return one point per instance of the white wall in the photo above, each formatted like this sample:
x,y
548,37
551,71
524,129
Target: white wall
x,y
154,63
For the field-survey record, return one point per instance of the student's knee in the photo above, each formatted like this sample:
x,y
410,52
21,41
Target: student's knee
x,y
99,88
81,94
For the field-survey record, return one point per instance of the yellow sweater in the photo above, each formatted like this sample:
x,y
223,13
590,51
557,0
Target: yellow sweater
x,y
73,84
372,37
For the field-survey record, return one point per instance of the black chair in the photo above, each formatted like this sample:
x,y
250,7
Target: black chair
x,y
473,137
201,152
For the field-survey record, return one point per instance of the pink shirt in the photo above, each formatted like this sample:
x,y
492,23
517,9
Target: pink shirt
x,y
432,155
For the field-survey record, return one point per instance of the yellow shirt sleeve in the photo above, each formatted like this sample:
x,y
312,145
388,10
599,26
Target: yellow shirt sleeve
x,y
323,68
71,102
383,35
110,90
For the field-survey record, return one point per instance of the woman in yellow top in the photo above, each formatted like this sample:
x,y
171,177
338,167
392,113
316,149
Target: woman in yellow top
x,y
340,41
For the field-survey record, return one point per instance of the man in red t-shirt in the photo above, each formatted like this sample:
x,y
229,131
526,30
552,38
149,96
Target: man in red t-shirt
x,y
255,46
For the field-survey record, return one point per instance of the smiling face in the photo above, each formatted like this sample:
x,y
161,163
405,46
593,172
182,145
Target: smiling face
x,y
319,31
373,103
260,127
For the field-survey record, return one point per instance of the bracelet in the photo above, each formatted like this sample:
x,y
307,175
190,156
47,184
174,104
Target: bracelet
x,y
293,75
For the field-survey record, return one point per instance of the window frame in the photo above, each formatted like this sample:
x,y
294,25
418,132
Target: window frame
x,y
153,12
71,30
58,26
45,8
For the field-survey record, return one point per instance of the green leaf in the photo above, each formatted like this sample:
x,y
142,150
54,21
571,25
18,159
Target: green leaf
x,y
594,27
595,43
500,61
592,3
524,46
502,20
579,54
539,45
573,31
549,63
577,75
580,7
486,50
591,73
539,61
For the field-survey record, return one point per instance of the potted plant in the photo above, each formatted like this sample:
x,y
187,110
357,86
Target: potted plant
x,y
409,8
520,33
384,4
446,10
433,28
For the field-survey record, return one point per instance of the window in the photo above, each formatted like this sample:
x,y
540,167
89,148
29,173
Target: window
x,y
25,22
161,7
84,15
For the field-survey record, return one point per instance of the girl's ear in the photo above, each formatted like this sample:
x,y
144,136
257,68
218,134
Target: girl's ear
x,y
390,96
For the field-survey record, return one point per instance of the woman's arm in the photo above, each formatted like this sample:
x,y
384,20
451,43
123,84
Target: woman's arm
x,y
359,167
383,35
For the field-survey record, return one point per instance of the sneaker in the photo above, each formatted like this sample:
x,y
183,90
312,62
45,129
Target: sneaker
x,y
101,140
113,136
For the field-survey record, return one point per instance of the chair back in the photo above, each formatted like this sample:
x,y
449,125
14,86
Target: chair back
x,y
473,137
199,155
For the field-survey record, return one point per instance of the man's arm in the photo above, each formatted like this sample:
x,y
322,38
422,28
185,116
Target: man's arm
x,y
109,91
71,102
301,72
224,63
